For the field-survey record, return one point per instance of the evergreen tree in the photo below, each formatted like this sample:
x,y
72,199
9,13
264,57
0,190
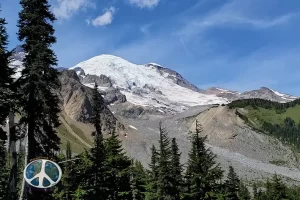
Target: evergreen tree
x,y
39,81
6,79
137,181
3,172
176,171
243,193
232,184
164,165
255,192
151,187
66,187
203,174
68,151
98,153
277,189
118,169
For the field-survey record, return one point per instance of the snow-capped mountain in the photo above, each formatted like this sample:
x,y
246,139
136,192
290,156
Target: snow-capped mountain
x,y
147,85
263,93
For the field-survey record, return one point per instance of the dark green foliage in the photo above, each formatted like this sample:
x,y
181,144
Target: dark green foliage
x,y
288,132
6,80
3,172
39,80
118,169
274,189
164,165
151,186
66,187
243,193
97,107
232,184
203,174
98,152
68,151
138,181
176,172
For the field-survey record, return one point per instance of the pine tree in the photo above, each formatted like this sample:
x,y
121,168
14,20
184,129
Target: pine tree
x,y
6,79
164,165
65,189
255,192
68,151
232,184
203,174
3,172
176,171
278,189
98,153
151,187
39,81
118,169
244,193
137,181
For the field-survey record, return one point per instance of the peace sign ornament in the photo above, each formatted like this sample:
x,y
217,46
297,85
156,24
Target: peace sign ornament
x,y
42,173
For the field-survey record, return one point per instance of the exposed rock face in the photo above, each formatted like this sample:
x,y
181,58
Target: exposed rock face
x,y
113,95
176,77
103,80
76,101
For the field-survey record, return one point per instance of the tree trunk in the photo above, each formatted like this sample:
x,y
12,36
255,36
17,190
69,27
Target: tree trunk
x,y
23,189
12,188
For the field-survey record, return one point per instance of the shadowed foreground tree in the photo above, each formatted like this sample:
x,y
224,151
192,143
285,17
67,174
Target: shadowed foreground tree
x,y
203,175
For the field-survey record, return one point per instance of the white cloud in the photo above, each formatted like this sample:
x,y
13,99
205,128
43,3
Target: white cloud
x,y
64,9
104,19
237,12
144,3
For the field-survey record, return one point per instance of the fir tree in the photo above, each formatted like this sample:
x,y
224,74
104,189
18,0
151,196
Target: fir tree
x,y
277,189
6,79
98,153
243,193
176,171
39,81
255,192
151,187
203,174
65,189
137,181
232,184
164,165
68,151
118,169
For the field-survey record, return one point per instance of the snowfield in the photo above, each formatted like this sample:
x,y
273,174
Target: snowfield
x,y
128,77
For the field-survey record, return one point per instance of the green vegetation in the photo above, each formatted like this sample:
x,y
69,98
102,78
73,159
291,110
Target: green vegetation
x,y
276,119
80,133
66,137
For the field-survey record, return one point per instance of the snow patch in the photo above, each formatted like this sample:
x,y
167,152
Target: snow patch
x,y
133,127
122,72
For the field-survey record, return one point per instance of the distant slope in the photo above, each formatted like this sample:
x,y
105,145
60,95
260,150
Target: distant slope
x,y
281,120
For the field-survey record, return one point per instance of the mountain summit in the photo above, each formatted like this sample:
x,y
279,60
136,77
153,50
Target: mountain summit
x,y
146,85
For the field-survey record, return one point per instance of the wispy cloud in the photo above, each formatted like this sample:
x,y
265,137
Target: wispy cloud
x,y
103,19
144,3
64,9
234,13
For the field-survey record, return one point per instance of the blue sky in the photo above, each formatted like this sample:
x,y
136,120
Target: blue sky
x,y
234,44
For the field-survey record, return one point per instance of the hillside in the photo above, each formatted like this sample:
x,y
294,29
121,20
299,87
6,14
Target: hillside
x,y
280,120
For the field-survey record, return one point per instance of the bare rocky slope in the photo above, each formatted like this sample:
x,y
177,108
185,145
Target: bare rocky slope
x,y
75,99
234,143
